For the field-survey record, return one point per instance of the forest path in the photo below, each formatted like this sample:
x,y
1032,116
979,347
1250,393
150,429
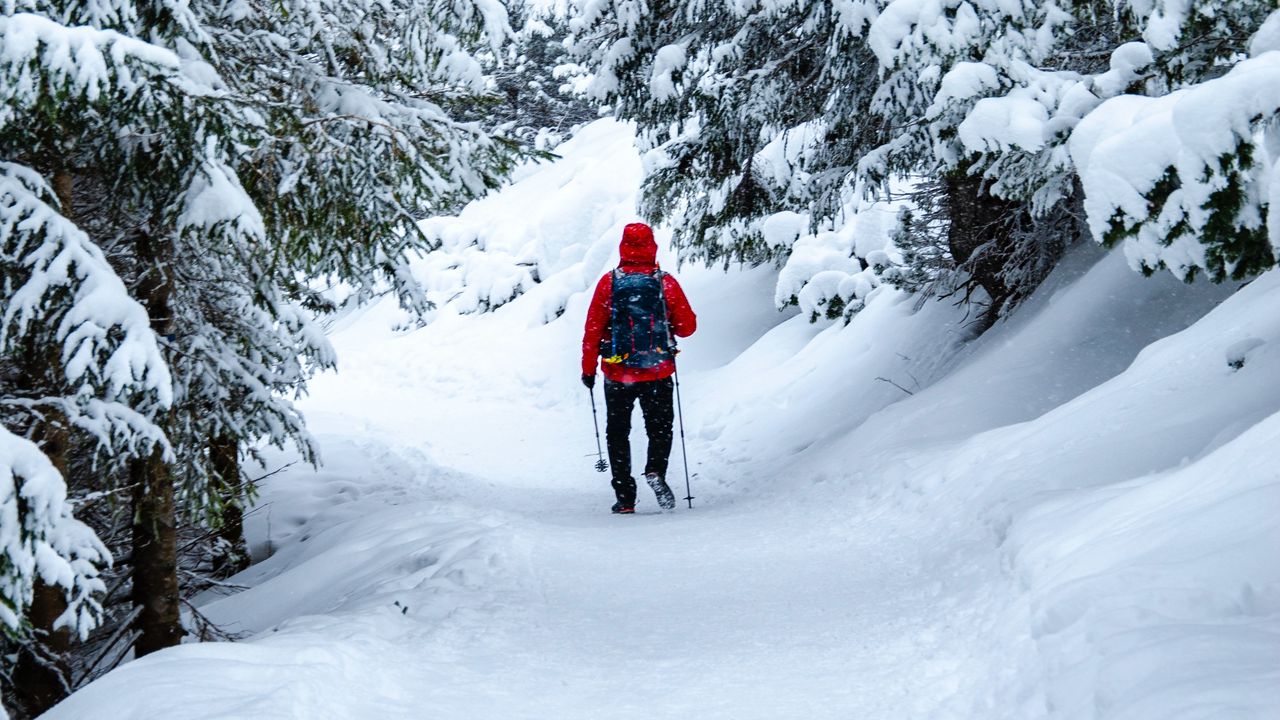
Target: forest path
x,y
793,600
455,557
716,612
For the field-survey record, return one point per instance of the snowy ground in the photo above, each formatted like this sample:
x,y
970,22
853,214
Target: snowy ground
x,y
1072,517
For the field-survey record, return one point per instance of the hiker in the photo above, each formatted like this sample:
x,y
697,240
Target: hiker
x,y
634,314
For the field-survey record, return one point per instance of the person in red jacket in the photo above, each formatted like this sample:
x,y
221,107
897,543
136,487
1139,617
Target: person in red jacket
x,y
635,315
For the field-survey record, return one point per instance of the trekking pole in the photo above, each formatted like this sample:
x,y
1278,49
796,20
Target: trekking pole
x,y
684,451
601,465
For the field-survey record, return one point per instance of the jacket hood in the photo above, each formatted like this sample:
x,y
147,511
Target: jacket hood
x,y
638,247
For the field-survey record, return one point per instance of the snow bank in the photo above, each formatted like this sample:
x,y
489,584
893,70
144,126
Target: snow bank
x,y
1110,446
1132,496
1156,598
362,573
1152,578
558,223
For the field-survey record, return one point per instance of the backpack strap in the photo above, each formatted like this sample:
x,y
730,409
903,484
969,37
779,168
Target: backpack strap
x,y
662,296
613,313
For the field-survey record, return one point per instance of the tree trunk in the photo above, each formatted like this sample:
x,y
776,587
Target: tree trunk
x,y
976,237
232,554
155,541
155,555
42,675
64,187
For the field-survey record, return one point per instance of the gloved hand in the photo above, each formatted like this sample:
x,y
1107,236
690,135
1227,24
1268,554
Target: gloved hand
x,y
589,381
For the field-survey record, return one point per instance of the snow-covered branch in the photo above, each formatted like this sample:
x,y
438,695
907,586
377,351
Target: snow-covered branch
x,y
40,540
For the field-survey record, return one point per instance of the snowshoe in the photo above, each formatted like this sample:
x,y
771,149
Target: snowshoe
x,y
662,491
620,509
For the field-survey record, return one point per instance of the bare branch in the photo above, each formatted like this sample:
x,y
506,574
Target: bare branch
x,y
887,380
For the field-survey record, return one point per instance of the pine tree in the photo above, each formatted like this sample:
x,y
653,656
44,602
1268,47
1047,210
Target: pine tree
x,y
743,110
536,78
230,166
81,357
757,109
1014,91
356,138
1202,199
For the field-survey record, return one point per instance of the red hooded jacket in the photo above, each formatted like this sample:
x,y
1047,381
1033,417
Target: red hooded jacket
x,y
639,255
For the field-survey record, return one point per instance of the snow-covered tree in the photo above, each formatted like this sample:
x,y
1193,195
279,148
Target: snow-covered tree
x,y
537,78
77,351
88,114
66,307
360,127
1188,180
739,107
985,94
359,132
1017,80
219,168
752,109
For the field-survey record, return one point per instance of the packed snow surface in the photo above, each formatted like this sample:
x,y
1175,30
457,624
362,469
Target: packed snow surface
x,y
1073,516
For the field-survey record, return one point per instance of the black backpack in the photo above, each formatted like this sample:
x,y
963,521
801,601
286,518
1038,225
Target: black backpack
x,y
639,334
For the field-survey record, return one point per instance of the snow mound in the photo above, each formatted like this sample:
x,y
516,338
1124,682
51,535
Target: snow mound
x,y
558,223
1137,512
1151,598
1155,594
365,569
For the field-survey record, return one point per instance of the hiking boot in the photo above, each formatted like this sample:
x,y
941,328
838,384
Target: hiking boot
x,y
666,498
620,509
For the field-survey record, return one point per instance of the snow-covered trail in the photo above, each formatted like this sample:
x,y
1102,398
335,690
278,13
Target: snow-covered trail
x,y
744,607
456,558
766,604
667,617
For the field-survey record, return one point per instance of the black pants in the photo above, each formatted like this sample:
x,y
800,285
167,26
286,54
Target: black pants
x,y
659,414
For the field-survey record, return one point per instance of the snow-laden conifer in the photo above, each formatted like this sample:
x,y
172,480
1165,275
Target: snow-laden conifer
x,y
1188,181
1017,80
744,110
368,118
977,100
66,306
40,540
223,161
78,349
